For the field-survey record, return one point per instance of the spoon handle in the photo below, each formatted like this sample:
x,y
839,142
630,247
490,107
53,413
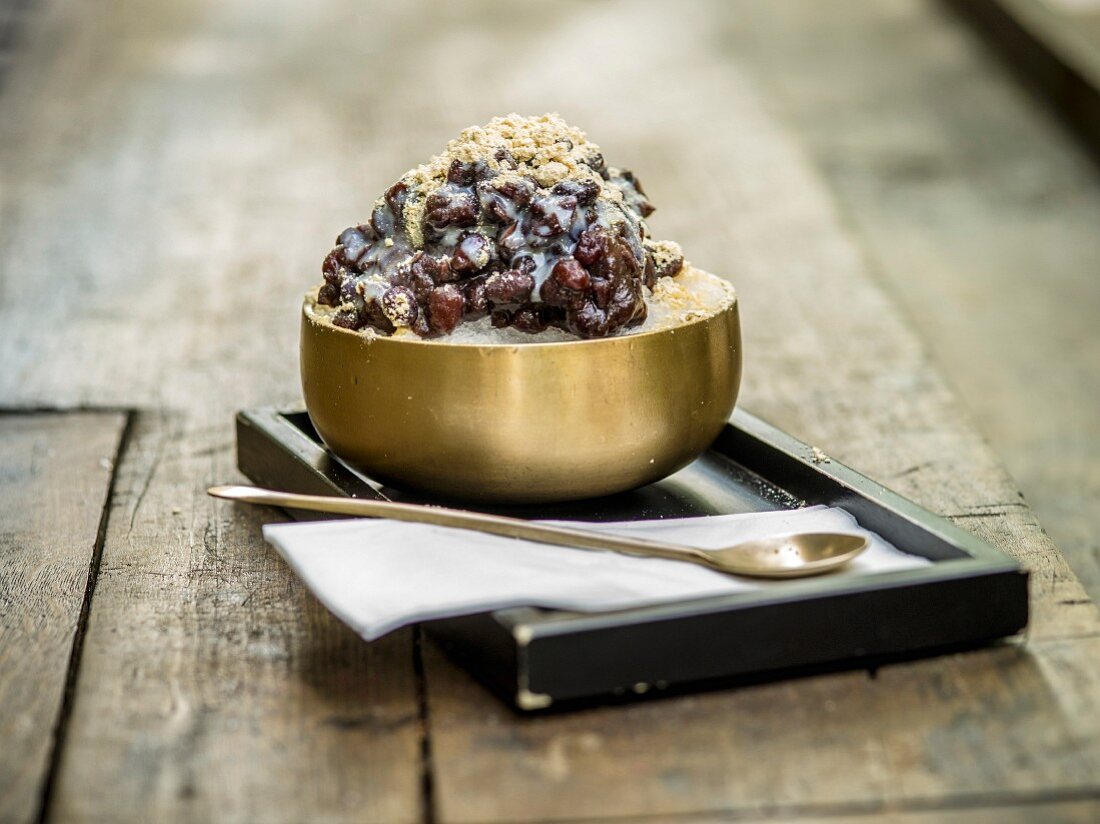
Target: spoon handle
x,y
462,519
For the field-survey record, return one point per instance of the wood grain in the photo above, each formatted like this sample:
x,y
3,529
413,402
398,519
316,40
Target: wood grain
x,y
199,158
830,359
977,212
1052,47
55,471
1079,811
1009,725
213,685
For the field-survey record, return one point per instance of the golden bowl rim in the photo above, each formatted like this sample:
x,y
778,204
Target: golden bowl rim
x,y
310,316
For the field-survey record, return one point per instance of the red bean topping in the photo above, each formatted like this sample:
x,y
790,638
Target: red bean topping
x,y
485,237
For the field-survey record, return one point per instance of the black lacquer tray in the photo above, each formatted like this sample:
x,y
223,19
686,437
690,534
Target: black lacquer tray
x,y
537,659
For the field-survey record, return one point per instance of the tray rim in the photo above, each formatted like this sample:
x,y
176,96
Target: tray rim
x,y
962,556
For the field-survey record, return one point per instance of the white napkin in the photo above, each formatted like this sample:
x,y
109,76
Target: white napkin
x,y
378,575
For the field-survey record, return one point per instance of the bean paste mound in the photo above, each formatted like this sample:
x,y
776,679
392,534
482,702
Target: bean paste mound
x,y
520,220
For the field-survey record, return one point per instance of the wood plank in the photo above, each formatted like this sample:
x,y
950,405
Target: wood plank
x,y
234,140
976,211
1054,46
829,358
1080,811
1068,811
55,472
1004,725
213,685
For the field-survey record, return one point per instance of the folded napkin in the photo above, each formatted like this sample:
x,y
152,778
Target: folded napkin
x,y
378,575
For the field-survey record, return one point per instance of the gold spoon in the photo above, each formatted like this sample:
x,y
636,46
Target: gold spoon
x,y
781,556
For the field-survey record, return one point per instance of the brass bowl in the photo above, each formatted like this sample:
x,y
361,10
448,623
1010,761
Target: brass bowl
x,y
529,423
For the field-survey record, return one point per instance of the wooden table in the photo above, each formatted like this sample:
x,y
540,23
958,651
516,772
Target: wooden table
x,y
172,174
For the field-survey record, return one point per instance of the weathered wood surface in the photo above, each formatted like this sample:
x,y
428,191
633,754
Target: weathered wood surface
x,y
212,685
185,166
54,476
1054,47
833,362
975,209
1083,811
1011,725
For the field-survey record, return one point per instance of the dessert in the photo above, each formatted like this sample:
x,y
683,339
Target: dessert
x,y
520,226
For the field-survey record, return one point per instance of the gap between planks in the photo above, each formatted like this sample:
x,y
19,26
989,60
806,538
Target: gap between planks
x,y
75,409
427,779
958,804
72,671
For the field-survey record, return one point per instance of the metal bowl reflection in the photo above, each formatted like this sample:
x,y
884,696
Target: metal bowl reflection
x,y
531,423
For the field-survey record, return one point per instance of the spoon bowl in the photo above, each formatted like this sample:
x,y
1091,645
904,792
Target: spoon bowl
x,y
793,556
783,556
